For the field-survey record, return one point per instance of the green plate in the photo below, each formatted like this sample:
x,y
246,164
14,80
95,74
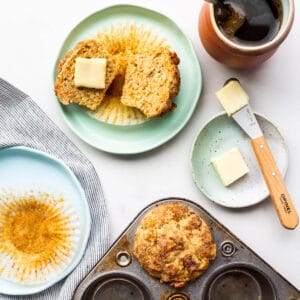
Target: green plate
x,y
218,136
151,134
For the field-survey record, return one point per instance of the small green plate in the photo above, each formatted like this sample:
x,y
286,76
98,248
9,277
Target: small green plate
x,y
218,136
151,134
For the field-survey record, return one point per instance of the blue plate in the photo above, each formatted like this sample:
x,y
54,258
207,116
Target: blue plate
x,y
24,169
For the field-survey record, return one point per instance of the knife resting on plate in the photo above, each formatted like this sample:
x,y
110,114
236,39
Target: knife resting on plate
x,y
235,101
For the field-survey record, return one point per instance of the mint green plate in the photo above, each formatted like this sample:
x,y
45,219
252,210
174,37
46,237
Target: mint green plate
x,y
151,134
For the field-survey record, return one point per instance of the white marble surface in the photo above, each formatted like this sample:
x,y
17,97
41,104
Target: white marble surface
x,y
32,32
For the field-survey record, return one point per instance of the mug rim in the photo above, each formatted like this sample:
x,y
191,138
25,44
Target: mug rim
x,y
275,42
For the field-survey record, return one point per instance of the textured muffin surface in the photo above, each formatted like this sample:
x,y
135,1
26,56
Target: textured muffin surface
x,y
151,82
174,244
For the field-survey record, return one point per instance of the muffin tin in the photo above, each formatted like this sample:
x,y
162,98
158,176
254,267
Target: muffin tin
x,y
236,273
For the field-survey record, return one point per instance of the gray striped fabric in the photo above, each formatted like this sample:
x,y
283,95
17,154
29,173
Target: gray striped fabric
x,y
22,122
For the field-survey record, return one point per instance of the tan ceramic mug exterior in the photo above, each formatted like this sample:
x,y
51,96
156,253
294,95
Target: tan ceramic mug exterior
x,y
236,55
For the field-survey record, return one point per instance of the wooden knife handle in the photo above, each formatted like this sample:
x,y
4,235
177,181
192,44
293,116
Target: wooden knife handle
x,y
279,194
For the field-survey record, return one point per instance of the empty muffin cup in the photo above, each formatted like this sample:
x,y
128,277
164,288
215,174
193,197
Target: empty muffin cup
x,y
240,283
117,287
234,284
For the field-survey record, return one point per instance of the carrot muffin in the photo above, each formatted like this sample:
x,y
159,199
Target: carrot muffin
x,y
142,74
151,82
65,88
174,244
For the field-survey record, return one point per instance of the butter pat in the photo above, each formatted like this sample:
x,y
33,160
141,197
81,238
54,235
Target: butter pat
x,y
232,97
90,72
230,166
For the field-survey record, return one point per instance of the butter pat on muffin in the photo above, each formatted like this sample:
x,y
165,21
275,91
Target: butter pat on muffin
x,y
90,72
230,166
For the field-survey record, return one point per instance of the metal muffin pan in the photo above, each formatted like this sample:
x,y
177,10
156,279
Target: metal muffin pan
x,y
237,273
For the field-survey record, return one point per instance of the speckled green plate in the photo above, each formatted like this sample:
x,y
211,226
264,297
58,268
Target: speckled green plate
x,y
220,135
151,134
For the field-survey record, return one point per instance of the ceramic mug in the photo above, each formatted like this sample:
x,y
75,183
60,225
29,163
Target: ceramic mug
x,y
237,55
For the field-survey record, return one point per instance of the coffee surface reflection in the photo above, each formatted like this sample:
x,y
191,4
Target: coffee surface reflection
x,y
250,22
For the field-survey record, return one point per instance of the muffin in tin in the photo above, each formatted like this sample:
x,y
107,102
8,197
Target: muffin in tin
x,y
174,244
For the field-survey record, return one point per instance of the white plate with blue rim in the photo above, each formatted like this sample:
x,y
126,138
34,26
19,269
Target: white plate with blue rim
x,y
25,171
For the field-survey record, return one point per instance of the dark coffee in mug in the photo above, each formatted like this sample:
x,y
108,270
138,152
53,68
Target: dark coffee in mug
x,y
249,22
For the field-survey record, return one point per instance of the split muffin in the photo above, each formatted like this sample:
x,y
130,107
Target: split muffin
x,y
142,74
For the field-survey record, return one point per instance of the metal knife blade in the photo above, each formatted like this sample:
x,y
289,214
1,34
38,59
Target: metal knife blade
x,y
247,121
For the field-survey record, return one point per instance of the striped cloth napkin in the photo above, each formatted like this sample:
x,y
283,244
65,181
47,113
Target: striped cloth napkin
x,y
22,122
